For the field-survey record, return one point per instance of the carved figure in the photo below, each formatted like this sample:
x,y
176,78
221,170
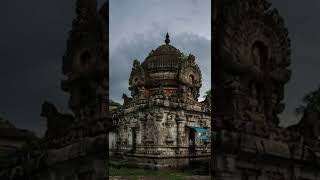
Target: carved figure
x,y
57,124
126,99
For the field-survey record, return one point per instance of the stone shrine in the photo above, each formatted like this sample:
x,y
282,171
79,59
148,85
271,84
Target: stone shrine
x,y
158,125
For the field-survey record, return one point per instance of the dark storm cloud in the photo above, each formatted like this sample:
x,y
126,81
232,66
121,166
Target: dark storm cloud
x,y
302,21
33,37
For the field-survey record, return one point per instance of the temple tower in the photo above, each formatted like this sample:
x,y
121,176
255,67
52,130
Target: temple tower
x,y
85,62
158,123
251,60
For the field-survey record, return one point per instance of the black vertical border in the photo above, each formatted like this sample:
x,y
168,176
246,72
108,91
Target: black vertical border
x,y
107,83
213,45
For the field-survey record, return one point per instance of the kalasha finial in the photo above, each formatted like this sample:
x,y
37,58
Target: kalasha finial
x,y
167,41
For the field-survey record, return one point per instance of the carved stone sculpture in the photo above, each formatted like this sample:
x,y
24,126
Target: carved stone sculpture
x,y
57,124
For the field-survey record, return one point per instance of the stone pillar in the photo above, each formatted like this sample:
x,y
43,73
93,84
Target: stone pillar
x,y
180,130
143,131
159,118
138,137
101,172
229,162
296,172
178,134
223,167
158,133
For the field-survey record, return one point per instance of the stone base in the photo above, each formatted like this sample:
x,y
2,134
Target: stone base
x,y
173,162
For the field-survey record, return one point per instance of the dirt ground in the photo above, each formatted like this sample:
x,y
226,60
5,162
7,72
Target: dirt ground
x,y
158,178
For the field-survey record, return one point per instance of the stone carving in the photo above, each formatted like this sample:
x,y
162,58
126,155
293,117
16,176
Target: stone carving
x,y
190,75
126,99
84,62
249,48
137,76
57,124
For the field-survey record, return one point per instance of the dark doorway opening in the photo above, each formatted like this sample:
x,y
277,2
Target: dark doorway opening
x,y
192,137
134,139
192,144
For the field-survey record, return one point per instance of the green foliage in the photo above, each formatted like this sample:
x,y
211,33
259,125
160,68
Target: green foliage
x,y
134,173
183,58
5,123
113,103
310,101
4,156
208,94
135,61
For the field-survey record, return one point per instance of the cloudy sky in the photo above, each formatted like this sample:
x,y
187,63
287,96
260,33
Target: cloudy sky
x,y
33,37
302,21
137,27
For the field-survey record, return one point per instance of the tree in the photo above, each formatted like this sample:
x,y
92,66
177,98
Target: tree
x,y
208,94
310,101
184,58
113,103
208,97
5,123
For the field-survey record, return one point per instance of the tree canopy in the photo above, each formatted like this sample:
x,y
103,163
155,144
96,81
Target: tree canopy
x,y
208,94
113,103
208,97
5,123
310,101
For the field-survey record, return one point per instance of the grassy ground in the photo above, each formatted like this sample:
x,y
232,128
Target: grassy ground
x,y
134,173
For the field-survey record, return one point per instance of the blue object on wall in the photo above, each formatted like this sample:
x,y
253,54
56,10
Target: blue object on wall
x,y
200,130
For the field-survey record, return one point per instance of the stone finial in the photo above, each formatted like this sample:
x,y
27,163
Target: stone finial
x,y
167,41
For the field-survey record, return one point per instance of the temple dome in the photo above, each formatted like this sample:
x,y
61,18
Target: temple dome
x,y
165,68
165,57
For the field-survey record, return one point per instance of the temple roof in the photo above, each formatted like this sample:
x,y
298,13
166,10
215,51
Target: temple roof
x,y
165,67
165,57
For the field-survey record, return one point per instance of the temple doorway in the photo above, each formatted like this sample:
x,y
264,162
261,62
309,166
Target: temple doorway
x,y
192,137
134,139
191,143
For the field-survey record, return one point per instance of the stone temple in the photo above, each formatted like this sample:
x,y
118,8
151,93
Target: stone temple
x,y
163,124
251,66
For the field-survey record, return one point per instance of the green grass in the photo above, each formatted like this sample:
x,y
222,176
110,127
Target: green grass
x,y
134,173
